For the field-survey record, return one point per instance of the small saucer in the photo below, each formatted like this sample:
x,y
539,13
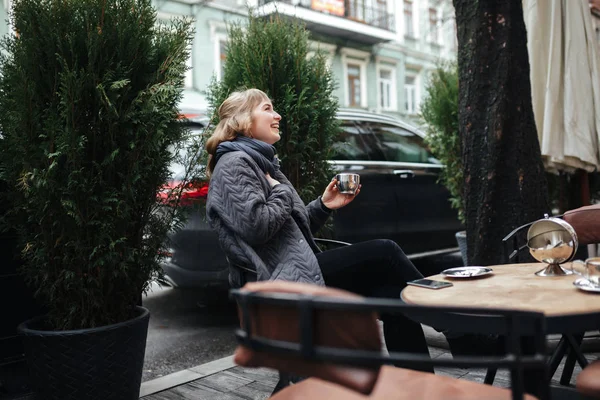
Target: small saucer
x,y
584,284
466,272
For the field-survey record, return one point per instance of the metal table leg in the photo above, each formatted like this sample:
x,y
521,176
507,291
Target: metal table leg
x,y
572,356
576,347
557,356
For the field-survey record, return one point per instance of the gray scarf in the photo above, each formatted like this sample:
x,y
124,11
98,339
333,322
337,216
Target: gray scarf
x,y
262,153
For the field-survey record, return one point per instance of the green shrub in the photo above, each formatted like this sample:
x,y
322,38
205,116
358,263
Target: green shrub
x,y
89,92
440,112
271,54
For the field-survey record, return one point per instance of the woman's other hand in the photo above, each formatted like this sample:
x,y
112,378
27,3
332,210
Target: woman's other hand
x,y
272,181
333,199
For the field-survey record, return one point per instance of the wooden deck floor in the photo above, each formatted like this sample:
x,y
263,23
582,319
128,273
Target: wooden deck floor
x,y
257,383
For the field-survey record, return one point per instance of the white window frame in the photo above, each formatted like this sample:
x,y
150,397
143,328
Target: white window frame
x,y
413,20
416,93
218,38
393,100
360,58
218,33
438,22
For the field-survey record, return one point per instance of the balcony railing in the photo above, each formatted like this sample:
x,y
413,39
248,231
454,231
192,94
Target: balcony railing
x,y
355,10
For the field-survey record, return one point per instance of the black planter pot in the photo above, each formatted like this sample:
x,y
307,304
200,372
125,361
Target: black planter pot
x,y
17,304
94,364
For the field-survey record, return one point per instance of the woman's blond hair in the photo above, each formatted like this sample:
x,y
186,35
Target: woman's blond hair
x,y
235,117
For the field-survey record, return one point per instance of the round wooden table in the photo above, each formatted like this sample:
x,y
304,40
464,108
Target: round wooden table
x,y
512,286
568,310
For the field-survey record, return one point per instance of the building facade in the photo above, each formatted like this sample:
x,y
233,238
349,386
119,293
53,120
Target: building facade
x,y
380,51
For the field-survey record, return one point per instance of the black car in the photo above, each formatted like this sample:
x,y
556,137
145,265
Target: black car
x,y
400,200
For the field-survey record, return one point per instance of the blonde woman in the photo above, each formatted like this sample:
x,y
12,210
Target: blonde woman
x,y
264,226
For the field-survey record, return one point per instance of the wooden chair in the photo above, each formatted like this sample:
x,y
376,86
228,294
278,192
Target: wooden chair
x,y
248,274
332,336
586,222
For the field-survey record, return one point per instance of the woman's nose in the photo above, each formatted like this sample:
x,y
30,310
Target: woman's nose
x,y
277,116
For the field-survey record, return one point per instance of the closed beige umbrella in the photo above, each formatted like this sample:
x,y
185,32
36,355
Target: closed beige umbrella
x,y
565,82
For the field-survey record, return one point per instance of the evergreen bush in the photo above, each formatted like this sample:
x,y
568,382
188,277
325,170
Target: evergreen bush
x,y
439,110
89,92
272,54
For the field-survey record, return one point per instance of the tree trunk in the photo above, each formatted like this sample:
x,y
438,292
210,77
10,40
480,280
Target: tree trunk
x,y
505,185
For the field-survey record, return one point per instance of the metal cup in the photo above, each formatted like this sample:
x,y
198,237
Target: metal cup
x,y
347,183
590,270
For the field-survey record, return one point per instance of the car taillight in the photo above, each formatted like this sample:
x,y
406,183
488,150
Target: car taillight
x,y
190,194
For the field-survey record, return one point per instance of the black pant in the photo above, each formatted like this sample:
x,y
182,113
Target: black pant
x,y
377,268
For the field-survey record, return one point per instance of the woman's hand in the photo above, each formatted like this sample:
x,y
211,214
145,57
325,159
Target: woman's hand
x,y
272,181
333,199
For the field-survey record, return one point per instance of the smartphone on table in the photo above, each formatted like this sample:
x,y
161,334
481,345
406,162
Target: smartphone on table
x,y
430,283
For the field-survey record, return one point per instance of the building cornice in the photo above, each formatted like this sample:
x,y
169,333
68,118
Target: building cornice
x,y
347,51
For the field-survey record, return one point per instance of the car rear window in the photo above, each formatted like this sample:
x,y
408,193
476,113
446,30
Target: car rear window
x,y
401,145
354,144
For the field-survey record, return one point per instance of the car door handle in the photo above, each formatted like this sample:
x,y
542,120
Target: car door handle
x,y
404,173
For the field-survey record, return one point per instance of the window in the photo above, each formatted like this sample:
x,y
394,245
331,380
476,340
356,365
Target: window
x,y
387,88
354,74
410,94
356,9
408,18
434,36
401,145
220,55
354,85
381,18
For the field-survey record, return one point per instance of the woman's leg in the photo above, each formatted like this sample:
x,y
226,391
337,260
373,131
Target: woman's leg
x,y
377,268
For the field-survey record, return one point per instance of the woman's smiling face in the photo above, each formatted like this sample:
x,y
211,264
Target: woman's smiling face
x,y
265,123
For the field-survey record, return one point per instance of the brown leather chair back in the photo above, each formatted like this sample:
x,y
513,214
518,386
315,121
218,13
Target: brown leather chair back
x,y
586,222
340,329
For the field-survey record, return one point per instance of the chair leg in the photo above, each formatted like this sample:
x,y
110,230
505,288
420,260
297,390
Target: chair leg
x,y
284,381
490,375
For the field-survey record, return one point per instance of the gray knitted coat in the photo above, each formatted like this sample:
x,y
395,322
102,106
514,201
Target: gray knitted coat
x,y
268,229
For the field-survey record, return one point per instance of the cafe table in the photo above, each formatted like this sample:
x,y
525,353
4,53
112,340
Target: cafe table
x,y
569,311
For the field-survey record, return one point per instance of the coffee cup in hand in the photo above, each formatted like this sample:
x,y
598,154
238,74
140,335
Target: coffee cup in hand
x,y
348,183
